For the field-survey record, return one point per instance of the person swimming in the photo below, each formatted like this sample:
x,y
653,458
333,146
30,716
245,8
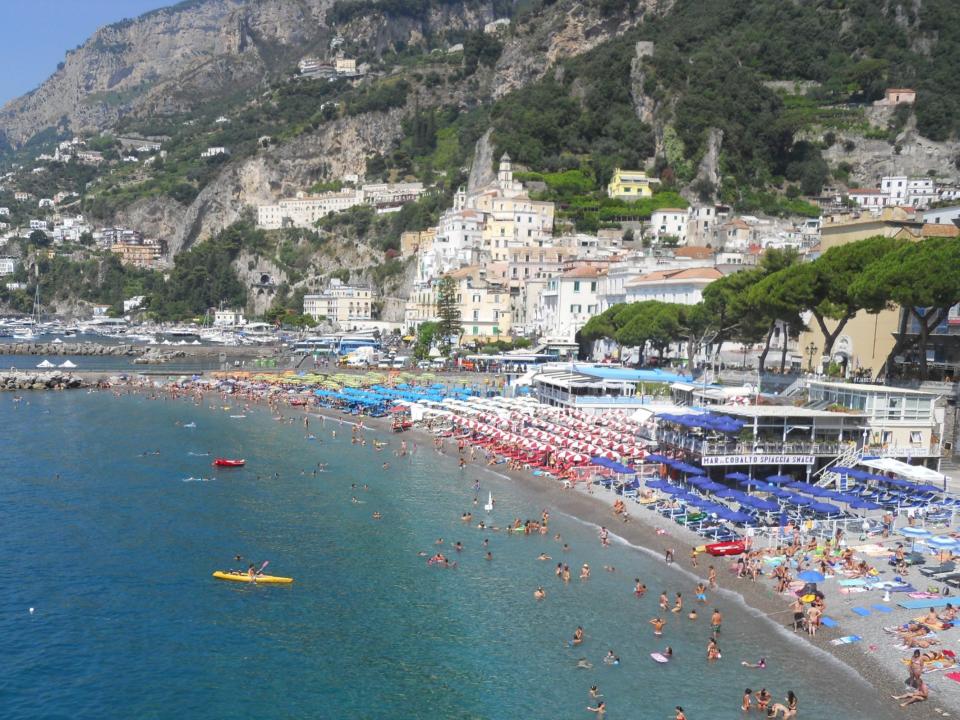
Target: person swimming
x,y
540,594
760,664
611,659
577,636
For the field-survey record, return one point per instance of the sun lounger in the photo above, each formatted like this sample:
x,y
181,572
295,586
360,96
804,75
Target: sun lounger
x,y
854,582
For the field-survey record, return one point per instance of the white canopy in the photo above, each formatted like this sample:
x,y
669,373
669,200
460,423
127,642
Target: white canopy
x,y
45,364
917,473
67,364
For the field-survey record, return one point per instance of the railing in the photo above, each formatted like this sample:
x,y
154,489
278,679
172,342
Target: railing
x,y
604,400
907,451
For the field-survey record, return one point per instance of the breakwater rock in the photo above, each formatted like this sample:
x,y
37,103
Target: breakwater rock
x,y
67,348
20,380
155,355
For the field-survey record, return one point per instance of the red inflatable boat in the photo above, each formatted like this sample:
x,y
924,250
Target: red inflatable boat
x,y
726,548
226,462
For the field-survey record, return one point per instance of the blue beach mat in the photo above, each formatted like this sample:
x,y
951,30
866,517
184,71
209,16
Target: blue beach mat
x,y
855,582
881,608
924,603
846,640
829,622
862,612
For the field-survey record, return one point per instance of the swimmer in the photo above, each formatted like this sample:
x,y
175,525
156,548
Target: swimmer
x,y
439,541
716,620
458,546
585,572
600,709
584,664
489,555
658,624
639,589
595,692
759,665
663,600
746,704
377,515
692,615
577,636
611,659
678,605
609,568
539,593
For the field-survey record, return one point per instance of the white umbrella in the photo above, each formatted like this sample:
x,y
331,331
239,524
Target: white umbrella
x,y
67,364
45,364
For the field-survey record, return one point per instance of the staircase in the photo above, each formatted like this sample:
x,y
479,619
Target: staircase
x,y
796,387
825,477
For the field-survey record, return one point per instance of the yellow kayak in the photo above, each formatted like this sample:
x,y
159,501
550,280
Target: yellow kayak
x,y
244,577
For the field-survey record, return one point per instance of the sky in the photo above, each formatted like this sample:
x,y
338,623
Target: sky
x,y
36,34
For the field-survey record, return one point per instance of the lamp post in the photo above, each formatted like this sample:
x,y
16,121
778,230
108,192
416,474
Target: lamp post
x,y
811,351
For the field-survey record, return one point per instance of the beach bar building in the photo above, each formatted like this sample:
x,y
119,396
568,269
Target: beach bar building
x,y
596,388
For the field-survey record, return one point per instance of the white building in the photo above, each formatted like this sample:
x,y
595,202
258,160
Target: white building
x,y
305,210
45,203
214,151
228,318
4,212
683,286
938,216
868,198
569,301
8,266
133,303
669,222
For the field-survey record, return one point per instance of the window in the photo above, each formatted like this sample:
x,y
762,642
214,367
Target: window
x,y
476,330
575,309
916,437
476,298
476,315
593,286
576,286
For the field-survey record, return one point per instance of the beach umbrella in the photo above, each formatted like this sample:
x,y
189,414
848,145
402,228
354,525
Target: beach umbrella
x,y
859,504
711,486
758,504
941,543
825,508
698,480
658,484
673,490
799,500
778,479
914,532
810,576
738,476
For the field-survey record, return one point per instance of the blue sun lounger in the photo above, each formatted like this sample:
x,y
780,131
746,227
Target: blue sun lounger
x,y
924,603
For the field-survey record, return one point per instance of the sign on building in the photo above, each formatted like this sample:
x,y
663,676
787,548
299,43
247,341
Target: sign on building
x,y
758,460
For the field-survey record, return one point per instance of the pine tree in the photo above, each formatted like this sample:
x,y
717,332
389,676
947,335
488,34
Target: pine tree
x,y
448,311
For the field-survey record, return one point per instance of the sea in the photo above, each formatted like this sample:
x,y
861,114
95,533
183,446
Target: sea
x,y
112,520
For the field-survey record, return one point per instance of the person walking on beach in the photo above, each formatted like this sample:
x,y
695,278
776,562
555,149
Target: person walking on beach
x,y
916,670
712,577
693,556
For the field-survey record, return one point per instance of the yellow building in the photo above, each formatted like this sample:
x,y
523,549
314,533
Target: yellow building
x,y
484,306
630,185
414,241
141,255
866,339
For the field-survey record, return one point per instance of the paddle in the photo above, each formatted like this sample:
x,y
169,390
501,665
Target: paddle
x,y
260,571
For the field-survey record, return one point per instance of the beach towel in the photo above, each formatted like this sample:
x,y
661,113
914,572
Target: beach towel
x,y
955,676
829,622
881,608
846,640
852,590
862,612
933,602
853,582
922,595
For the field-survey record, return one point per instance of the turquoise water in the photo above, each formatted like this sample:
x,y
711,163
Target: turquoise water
x,y
115,556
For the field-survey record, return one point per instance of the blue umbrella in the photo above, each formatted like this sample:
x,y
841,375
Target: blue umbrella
x,y
799,500
747,482
658,484
778,492
653,457
737,476
764,505
810,576
825,508
864,505
728,493
698,480
673,490
778,479
711,486
732,516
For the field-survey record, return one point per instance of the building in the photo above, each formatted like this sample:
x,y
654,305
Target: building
x,y
4,212
214,151
22,196
413,241
630,185
595,389
133,303
941,215
305,210
669,223
143,254
735,234
45,203
89,157
867,198
228,318
684,286
900,423
897,96
494,27
569,300
340,304
8,266
867,339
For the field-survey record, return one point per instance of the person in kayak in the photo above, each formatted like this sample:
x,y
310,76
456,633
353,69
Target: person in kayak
x,y
251,571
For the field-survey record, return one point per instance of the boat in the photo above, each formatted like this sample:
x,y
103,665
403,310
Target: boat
x,y
237,576
736,547
227,462
298,402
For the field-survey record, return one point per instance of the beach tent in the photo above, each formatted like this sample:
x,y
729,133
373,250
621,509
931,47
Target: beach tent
x,y
45,364
67,364
916,473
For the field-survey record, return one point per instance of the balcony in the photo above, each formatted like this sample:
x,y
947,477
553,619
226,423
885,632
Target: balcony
x,y
904,451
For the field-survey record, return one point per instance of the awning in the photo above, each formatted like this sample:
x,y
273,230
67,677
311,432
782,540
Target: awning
x,y
917,473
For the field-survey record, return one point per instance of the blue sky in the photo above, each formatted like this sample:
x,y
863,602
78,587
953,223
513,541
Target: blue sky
x,y
36,34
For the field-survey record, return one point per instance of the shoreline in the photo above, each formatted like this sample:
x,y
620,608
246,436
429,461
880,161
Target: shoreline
x,y
880,669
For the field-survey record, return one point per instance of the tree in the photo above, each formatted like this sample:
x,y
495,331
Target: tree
x,y
425,336
39,238
448,310
908,276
